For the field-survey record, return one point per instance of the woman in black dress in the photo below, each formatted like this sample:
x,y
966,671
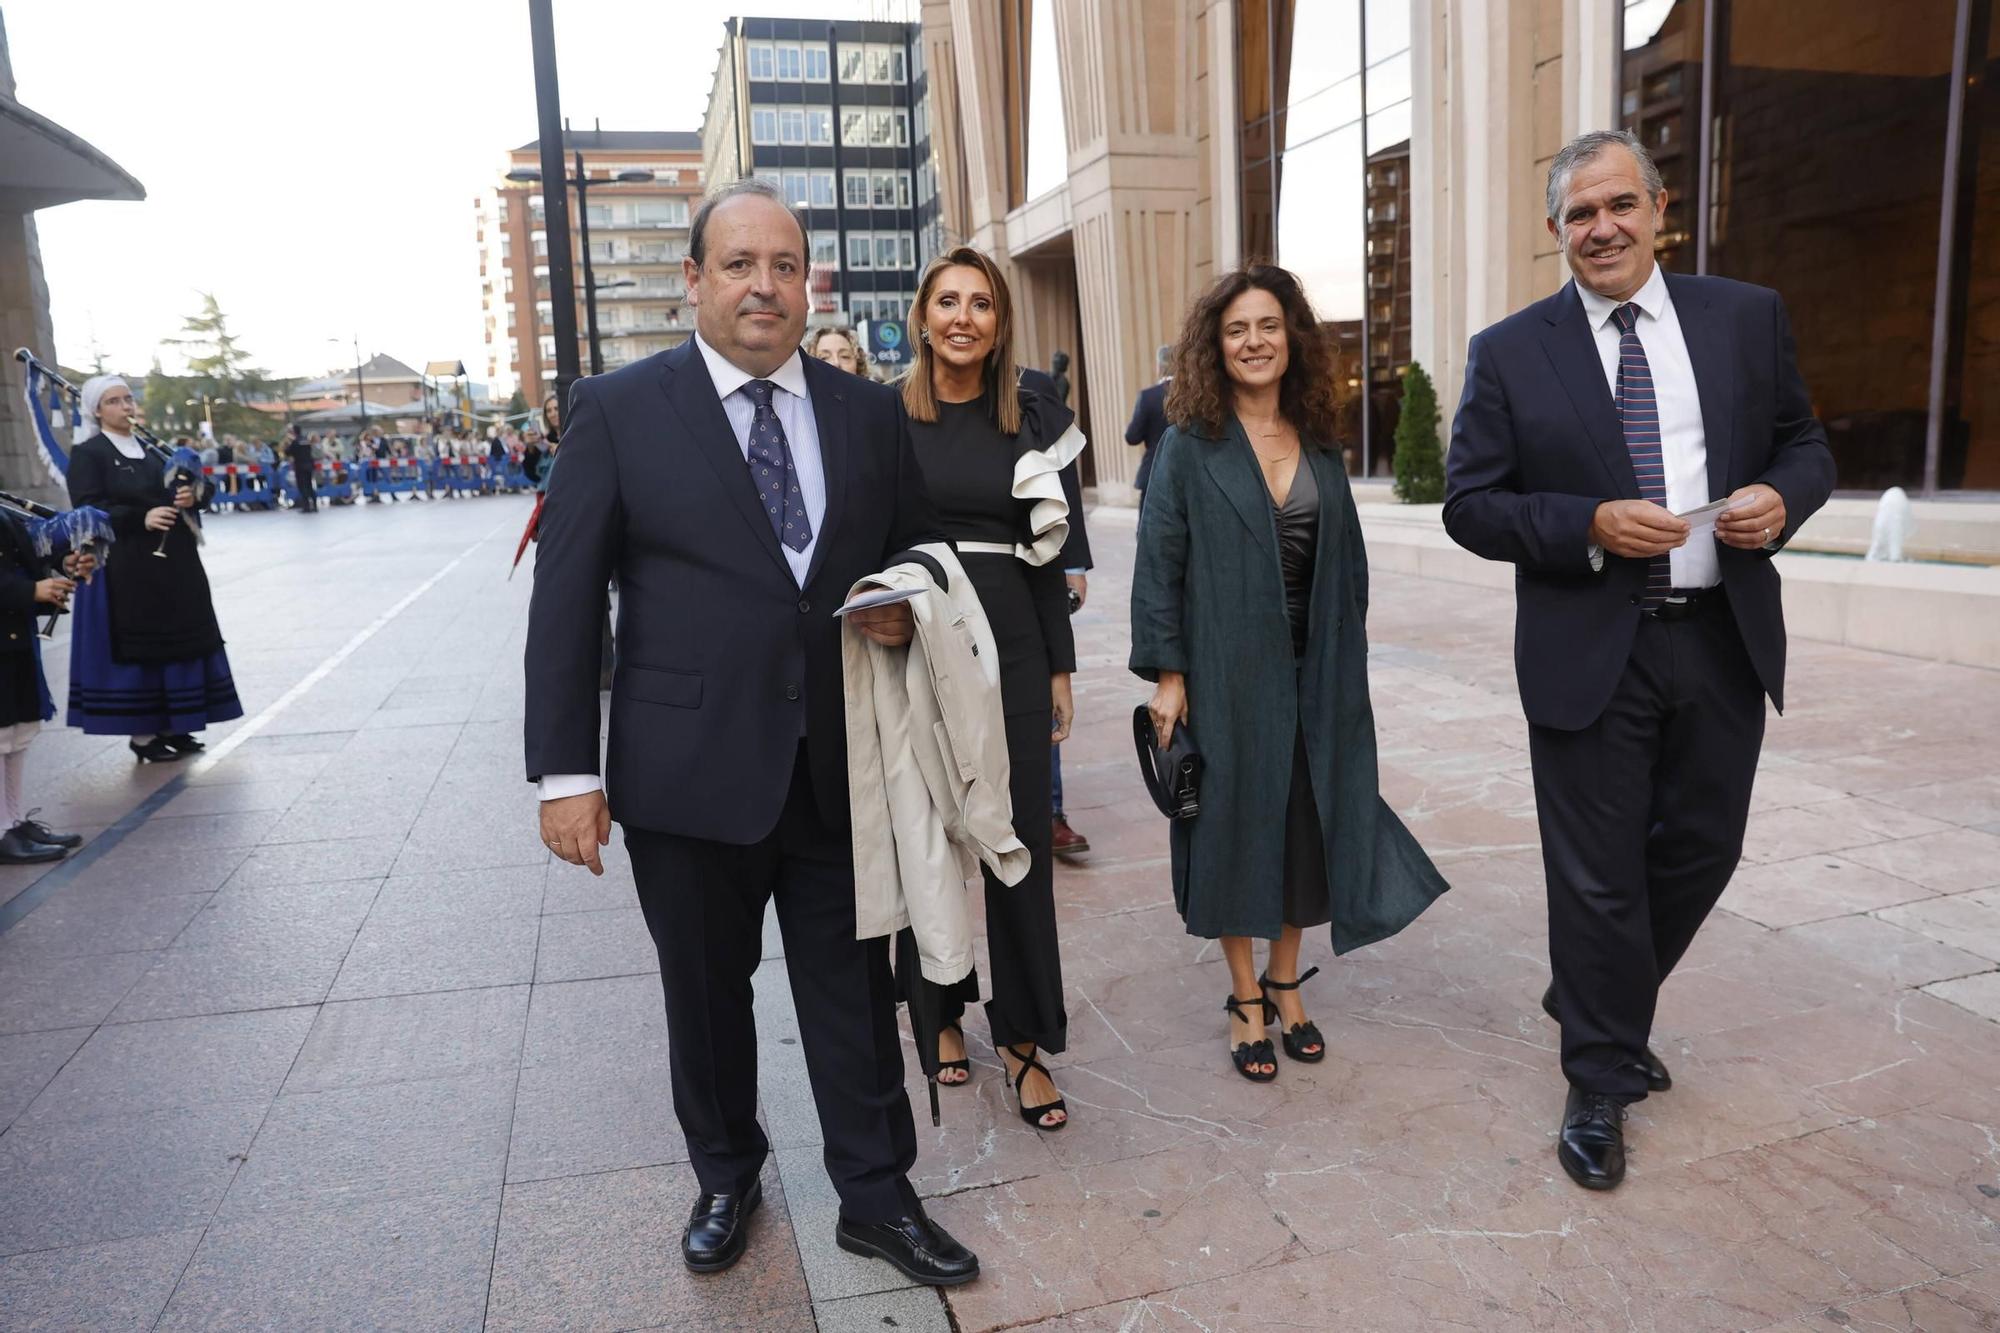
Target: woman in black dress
x,y
992,454
146,659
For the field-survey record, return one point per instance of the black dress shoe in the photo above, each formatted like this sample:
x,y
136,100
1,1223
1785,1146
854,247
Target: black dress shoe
x,y
923,1250
184,743
1655,1069
17,850
1591,1146
36,831
718,1229
154,751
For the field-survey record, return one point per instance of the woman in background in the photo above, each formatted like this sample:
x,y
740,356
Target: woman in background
x,y
838,345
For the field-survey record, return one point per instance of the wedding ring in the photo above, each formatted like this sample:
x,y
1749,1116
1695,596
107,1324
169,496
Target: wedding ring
x,y
1767,534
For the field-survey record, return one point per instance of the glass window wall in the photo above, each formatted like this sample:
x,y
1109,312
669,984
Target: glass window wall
x,y
1823,144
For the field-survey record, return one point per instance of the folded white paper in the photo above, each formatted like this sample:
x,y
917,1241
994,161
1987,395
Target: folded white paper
x,y
1703,519
873,597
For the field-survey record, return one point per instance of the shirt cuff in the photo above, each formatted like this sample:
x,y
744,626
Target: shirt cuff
x,y
556,786
1596,554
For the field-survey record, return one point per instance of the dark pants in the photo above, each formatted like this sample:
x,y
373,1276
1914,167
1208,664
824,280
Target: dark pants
x,y
1055,781
704,904
302,477
1021,949
1642,816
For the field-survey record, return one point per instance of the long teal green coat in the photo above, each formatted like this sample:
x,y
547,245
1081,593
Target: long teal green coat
x,y
1208,600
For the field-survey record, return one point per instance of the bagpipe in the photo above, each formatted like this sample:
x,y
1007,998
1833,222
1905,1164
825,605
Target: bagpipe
x,y
52,532
51,398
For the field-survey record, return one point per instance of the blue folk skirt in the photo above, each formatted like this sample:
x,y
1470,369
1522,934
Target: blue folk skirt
x,y
112,698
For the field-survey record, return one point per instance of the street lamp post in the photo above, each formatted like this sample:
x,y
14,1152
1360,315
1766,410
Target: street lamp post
x,y
581,184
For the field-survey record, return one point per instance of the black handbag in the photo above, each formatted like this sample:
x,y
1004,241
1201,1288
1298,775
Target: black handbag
x,y
1172,775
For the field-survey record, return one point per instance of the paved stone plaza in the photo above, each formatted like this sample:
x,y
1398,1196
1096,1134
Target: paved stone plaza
x,y
315,1036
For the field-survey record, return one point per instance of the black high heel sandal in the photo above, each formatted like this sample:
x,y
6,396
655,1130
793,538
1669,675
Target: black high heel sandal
x,y
1303,1034
1248,1053
943,1064
1033,1114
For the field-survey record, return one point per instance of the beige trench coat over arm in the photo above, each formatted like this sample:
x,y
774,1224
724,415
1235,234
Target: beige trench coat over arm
x,y
927,767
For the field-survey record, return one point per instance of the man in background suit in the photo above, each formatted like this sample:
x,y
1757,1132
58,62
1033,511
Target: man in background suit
x,y
1644,645
1076,567
738,490
1149,420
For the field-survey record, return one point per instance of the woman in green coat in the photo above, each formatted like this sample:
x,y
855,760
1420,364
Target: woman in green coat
x,y
1249,610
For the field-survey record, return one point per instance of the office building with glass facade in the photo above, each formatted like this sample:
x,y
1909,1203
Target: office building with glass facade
x,y
1393,153
836,114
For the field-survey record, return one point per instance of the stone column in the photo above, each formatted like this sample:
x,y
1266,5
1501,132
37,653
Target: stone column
x,y
1486,75
982,133
1133,120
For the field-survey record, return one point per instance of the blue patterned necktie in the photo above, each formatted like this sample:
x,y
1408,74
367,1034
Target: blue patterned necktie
x,y
1639,415
771,469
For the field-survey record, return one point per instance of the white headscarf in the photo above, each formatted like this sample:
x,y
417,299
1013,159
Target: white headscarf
x,y
92,394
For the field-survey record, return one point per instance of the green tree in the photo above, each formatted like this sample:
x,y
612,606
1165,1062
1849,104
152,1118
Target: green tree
x,y
518,403
220,370
1419,461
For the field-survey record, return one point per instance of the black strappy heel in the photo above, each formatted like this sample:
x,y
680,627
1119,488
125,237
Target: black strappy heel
x,y
943,1064
1033,1114
1248,1053
1303,1034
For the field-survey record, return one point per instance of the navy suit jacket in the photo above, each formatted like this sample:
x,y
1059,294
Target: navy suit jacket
x,y
1537,446
1149,424
723,659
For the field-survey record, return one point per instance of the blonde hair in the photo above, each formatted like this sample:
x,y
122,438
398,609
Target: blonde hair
x,y
825,331
919,392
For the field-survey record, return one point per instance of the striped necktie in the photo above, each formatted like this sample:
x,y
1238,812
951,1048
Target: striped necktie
x,y
1639,415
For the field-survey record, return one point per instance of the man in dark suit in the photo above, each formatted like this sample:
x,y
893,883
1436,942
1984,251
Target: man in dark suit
x,y
1644,644
1149,419
738,490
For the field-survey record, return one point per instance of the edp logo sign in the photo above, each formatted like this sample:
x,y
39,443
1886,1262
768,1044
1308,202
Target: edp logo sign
x,y
888,344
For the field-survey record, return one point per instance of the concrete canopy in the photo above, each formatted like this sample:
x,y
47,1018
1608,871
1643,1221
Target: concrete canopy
x,y
45,165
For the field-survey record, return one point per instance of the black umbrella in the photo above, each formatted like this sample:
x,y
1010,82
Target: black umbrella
x,y
923,999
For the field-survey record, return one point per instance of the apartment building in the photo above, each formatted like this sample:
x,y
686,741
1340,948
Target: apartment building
x,y
639,188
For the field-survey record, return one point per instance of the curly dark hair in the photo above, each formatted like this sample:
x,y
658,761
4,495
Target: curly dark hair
x,y
1203,397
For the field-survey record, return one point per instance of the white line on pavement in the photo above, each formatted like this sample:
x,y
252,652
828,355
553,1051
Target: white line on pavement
x,y
223,748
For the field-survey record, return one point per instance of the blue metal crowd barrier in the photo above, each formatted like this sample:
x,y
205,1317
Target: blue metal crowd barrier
x,y
239,486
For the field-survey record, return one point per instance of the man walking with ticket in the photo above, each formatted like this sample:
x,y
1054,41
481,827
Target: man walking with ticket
x,y
1637,446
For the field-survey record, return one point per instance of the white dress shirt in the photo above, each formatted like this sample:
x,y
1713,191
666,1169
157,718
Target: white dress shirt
x,y
1683,445
793,404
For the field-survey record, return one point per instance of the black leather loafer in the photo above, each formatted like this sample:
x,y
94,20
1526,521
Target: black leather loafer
x,y
1657,1077
1591,1146
719,1228
923,1250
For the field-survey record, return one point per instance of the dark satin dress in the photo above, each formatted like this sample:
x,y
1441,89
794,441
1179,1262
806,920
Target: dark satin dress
x,y
1307,902
968,468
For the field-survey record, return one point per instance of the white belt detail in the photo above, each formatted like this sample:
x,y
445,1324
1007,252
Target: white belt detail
x,y
986,548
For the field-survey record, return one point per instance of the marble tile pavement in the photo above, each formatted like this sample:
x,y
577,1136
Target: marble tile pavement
x,y
318,1038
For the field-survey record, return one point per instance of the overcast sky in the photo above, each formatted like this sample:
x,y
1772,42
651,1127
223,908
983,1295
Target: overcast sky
x,y
314,165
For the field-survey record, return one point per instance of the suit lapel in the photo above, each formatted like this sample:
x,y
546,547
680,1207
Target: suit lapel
x,y
829,408
691,394
1712,356
1573,350
1232,466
